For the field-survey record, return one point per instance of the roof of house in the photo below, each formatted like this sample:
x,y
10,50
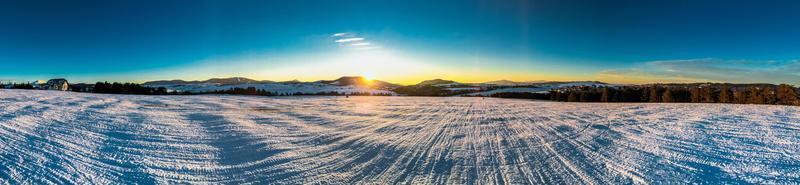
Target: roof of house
x,y
57,80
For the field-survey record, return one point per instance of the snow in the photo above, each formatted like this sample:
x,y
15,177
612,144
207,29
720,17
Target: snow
x,y
464,89
307,87
541,88
513,89
52,137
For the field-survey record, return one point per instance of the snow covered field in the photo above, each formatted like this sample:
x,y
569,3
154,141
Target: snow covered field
x,y
63,137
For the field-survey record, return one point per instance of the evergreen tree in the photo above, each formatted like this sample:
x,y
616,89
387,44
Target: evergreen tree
x,y
605,96
617,96
573,97
631,94
585,97
555,95
645,94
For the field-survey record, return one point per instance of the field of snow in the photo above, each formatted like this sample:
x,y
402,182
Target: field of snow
x,y
541,88
62,137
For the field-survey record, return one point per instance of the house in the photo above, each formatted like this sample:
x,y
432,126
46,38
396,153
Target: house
x,y
56,84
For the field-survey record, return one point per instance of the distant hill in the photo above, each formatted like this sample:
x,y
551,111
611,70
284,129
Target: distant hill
x,y
513,83
436,82
572,91
361,82
435,87
343,85
166,82
543,87
440,87
234,80
218,81
502,82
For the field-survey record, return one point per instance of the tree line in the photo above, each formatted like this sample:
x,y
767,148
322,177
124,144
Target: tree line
x,y
123,88
133,88
657,93
663,93
517,95
104,88
18,86
422,90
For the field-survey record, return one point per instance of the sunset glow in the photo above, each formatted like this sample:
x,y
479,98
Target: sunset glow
x,y
472,41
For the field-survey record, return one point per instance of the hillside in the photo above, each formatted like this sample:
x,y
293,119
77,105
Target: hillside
x,y
214,81
360,82
439,87
437,82
344,85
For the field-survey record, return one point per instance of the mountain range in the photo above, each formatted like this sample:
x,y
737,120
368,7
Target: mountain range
x,y
342,81
360,81
357,84
220,81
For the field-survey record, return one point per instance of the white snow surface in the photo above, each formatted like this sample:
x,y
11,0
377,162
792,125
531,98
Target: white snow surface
x,y
541,88
463,89
50,137
304,87
513,89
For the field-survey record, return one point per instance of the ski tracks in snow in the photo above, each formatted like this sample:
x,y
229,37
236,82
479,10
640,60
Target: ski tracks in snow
x,y
49,137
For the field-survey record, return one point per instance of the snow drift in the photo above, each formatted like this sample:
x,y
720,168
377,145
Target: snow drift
x,y
62,137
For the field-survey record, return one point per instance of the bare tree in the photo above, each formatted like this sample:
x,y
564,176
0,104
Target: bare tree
x,y
667,97
787,95
725,95
655,96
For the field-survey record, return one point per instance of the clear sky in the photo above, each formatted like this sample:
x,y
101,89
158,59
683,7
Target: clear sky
x,y
402,41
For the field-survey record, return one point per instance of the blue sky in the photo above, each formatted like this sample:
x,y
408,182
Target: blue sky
x,y
402,41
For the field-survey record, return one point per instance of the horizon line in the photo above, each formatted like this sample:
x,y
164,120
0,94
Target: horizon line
x,y
7,81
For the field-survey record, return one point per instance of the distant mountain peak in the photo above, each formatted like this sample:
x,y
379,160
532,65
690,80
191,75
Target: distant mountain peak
x,y
502,82
351,78
221,81
437,81
232,80
360,81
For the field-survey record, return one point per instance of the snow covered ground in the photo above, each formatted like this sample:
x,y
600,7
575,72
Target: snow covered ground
x,y
540,88
62,137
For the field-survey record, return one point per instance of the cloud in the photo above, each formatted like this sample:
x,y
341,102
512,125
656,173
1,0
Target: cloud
x,y
354,39
707,70
340,34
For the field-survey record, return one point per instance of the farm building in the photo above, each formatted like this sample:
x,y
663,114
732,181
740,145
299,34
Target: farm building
x,y
56,84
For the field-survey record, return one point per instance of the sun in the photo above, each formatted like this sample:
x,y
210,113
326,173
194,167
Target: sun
x,y
368,76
